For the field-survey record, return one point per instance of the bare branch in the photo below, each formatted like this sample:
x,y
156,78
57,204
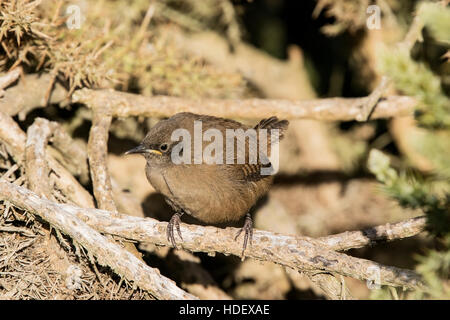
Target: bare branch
x,y
107,253
414,33
37,169
387,232
22,230
368,107
15,139
16,102
9,78
97,152
122,104
300,253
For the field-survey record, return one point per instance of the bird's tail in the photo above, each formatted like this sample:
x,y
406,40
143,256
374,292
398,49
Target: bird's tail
x,y
273,123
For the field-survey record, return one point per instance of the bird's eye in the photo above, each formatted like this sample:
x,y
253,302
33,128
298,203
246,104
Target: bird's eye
x,y
163,147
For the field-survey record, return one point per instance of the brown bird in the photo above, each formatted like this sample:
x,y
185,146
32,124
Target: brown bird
x,y
212,193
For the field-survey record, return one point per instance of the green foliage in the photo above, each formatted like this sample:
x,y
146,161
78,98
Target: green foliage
x,y
431,196
416,79
411,192
437,19
435,269
435,146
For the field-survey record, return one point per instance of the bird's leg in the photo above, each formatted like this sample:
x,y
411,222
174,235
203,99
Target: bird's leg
x,y
174,221
248,228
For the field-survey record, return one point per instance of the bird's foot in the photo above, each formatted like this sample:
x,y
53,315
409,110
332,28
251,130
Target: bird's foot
x,y
174,221
248,228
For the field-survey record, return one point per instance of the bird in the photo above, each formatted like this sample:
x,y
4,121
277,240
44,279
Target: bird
x,y
214,193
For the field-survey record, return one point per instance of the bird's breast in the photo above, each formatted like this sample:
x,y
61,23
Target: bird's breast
x,y
204,192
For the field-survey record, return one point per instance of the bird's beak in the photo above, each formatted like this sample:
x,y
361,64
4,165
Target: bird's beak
x,y
142,149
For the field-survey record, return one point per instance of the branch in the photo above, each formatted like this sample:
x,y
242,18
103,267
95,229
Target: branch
x,y
37,169
9,78
74,155
369,106
107,253
122,104
414,33
388,232
97,155
16,102
97,152
300,253
15,140
330,285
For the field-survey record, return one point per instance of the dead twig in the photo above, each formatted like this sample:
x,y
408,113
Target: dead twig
x,y
97,152
8,79
37,170
368,107
24,231
414,33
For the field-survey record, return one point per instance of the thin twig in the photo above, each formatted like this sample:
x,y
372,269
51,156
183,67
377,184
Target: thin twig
x,y
414,33
368,107
97,152
36,165
24,231
9,78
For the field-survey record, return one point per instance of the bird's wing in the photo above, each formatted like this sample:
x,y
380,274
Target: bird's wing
x,y
252,171
248,169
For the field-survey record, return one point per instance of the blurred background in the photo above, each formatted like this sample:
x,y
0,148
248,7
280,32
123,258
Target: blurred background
x,y
274,49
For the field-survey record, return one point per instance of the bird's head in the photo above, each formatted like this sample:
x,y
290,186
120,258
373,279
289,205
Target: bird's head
x,y
157,145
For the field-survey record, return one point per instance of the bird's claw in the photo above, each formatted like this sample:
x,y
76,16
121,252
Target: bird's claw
x,y
174,221
248,228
